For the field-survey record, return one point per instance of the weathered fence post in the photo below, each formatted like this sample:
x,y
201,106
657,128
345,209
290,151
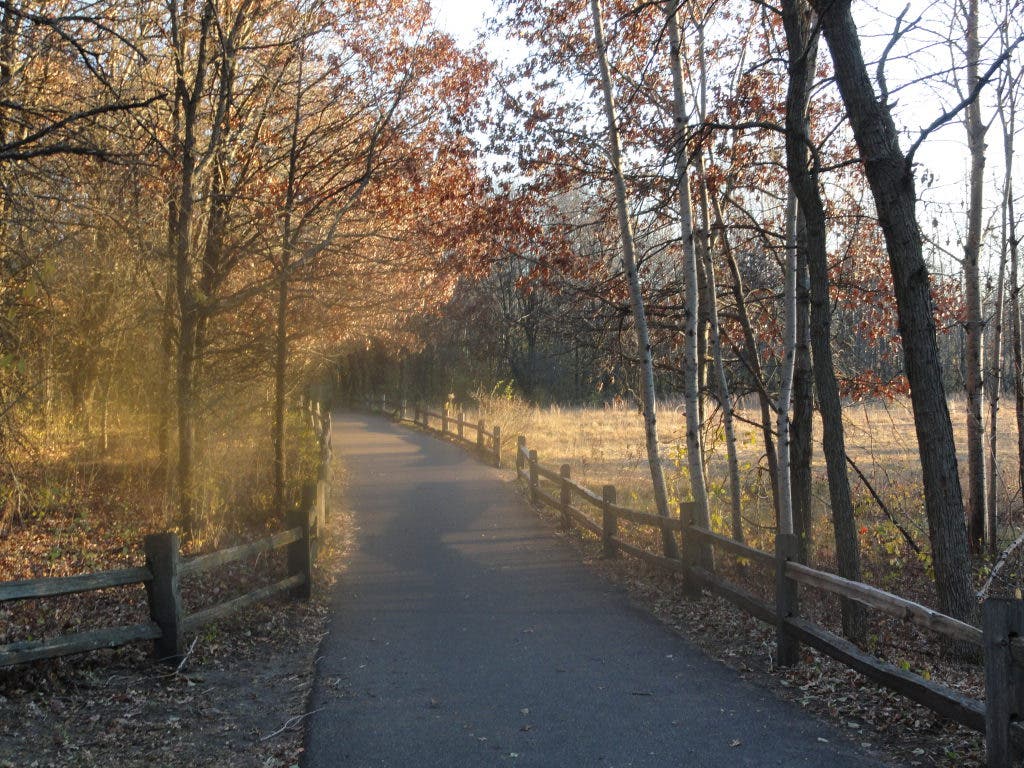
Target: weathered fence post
x,y
787,549
416,415
444,419
565,496
690,552
301,553
323,478
497,446
329,440
1002,621
321,508
163,559
462,424
520,459
609,521
534,480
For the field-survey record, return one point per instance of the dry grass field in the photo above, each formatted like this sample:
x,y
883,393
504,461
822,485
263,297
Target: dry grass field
x,y
606,445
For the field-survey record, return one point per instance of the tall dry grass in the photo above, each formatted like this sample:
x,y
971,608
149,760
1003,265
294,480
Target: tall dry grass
x,y
606,445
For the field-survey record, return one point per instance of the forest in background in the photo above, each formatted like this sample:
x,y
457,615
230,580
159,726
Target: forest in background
x,y
212,208
699,228
201,203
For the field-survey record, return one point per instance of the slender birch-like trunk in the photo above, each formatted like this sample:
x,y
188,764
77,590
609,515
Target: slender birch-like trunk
x,y
721,379
694,449
710,303
752,361
635,296
787,368
974,326
1007,110
995,360
281,351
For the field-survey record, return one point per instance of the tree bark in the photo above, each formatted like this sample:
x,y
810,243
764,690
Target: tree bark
x,y
691,313
788,365
892,186
995,361
281,347
974,325
187,99
801,427
803,55
1007,108
636,297
721,379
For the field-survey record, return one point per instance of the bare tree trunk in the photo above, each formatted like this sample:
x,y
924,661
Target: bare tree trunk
x,y
803,54
165,415
281,350
788,365
752,361
974,325
892,185
187,99
721,379
995,360
801,427
636,297
691,346
1007,110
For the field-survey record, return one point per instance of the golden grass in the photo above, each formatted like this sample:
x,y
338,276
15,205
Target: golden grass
x,y
606,445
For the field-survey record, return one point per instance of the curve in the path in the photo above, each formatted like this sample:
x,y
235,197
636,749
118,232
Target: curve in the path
x,y
465,634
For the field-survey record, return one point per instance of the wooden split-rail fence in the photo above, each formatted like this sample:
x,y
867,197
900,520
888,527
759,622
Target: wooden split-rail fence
x,y
165,569
999,641
451,425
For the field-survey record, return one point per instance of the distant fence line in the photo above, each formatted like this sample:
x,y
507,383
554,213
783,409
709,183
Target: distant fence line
x,y
1000,640
451,425
164,570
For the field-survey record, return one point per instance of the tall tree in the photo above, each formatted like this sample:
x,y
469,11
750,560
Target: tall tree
x,y
649,401
890,175
974,324
788,365
802,45
694,447
1008,101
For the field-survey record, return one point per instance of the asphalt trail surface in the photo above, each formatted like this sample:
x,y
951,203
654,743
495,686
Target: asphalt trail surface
x,y
465,633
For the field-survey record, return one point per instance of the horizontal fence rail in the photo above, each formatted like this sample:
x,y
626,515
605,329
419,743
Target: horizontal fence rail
x,y
209,561
165,569
70,585
79,642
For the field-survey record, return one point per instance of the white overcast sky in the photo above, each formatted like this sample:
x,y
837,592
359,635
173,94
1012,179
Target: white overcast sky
x,y
461,18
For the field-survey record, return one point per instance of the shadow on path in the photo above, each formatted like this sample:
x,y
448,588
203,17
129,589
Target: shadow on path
x,y
465,634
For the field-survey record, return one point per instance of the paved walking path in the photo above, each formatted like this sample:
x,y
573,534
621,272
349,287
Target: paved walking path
x,y
464,633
